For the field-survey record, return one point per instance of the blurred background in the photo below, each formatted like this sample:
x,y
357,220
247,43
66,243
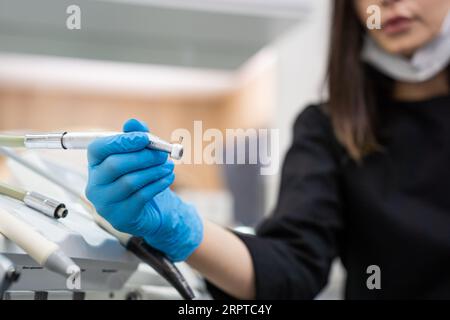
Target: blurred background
x,y
229,63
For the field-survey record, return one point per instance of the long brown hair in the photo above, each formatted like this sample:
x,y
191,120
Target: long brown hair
x,y
355,88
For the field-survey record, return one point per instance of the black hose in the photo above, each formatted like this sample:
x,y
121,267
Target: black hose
x,y
158,261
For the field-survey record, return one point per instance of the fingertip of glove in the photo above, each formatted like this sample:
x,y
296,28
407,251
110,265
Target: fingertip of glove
x,y
135,125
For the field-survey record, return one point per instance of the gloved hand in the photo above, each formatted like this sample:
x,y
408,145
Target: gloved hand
x,y
129,187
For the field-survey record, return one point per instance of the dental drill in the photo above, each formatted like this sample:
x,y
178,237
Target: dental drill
x,y
81,140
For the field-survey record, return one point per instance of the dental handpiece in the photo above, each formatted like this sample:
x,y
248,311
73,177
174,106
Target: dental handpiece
x,y
45,252
43,204
81,140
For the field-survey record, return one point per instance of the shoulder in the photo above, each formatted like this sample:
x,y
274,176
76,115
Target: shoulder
x,y
313,127
314,119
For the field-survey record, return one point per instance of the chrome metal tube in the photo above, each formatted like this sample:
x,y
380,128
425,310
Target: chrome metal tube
x,y
44,141
45,205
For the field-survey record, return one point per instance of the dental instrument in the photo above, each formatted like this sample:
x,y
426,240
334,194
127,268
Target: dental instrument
x,y
45,252
81,140
36,201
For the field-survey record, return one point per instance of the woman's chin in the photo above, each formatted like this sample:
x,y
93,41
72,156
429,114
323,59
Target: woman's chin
x,y
402,48
406,44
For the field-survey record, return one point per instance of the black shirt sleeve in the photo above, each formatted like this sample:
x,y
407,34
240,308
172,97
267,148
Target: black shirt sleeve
x,y
293,250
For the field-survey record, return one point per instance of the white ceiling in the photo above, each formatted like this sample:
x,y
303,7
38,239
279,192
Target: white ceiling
x,y
106,77
266,8
212,34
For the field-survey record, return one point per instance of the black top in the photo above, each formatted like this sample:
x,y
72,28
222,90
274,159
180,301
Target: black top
x,y
392,211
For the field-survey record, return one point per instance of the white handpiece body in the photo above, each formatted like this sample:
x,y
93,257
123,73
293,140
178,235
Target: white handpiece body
x,y
45,252
31,241
82,140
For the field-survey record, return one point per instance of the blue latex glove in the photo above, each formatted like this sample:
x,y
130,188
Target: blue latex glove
x,y
129,187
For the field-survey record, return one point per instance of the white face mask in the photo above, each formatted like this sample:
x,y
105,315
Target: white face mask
x,y
425,64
